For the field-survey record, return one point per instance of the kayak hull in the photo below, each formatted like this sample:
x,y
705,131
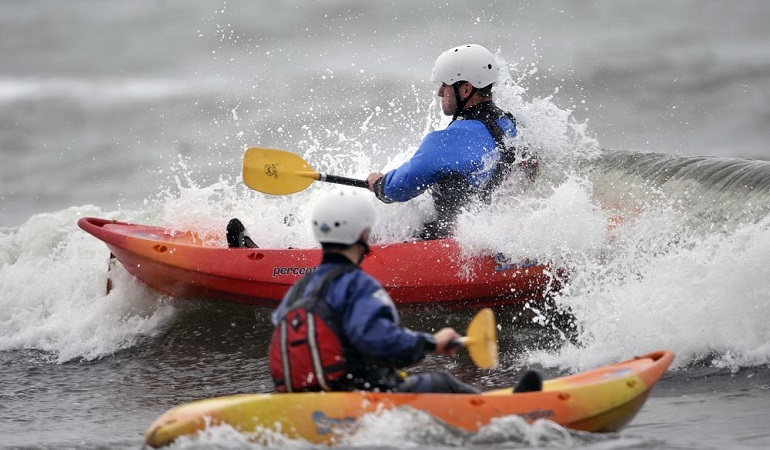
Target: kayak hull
x,y
601,400
180,264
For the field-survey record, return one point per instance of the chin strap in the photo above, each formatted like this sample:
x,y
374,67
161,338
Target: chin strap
x,y
461,103
367,250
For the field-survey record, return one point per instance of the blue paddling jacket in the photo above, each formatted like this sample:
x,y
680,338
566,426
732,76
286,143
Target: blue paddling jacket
x,y
374,343
455,164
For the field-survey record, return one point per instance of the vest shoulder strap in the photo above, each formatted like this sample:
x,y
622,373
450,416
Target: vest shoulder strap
x,y
298,291
488,113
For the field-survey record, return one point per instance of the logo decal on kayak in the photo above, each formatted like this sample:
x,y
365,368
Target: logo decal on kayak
x,y
298,271
537,414
326,424
618,373
271,170
503,263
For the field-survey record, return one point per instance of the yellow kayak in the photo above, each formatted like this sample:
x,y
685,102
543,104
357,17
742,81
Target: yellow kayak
x,y
600,400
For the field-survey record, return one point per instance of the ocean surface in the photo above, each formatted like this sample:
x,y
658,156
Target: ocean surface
x,y
650,119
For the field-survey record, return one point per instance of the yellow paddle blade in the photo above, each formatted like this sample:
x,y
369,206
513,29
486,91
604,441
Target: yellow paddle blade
x,y
276,172
481,339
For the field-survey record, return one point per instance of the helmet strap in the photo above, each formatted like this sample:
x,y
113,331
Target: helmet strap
x,y
367,250
461,103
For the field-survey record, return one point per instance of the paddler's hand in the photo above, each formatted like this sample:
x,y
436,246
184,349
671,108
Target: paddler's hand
x,y
444,341
376,182
372,178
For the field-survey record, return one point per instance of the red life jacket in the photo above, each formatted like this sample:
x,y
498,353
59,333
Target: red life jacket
x,y
306,351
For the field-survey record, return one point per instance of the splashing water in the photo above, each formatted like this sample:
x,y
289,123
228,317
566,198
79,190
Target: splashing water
x,y
54,293
662,251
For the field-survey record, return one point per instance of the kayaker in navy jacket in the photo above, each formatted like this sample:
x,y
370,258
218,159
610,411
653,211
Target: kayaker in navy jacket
x,y
471,157
338,329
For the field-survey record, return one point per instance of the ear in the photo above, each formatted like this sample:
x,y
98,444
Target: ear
x,y
365,235
466,89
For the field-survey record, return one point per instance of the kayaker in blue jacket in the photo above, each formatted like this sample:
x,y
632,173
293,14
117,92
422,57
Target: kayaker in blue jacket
x,y
338,329
468,159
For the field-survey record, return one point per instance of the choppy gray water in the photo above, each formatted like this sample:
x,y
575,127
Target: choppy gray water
x,y
652,123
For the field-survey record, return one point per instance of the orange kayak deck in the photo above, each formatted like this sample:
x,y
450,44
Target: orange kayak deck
x,y
600,400
180,264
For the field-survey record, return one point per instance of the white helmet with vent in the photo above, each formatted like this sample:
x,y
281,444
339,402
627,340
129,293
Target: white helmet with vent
x,y
341,217
472,63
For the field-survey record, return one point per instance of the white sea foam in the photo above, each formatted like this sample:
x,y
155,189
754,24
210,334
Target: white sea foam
x,y
53,282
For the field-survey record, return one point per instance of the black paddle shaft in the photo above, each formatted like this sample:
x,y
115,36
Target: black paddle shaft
x,y
343,180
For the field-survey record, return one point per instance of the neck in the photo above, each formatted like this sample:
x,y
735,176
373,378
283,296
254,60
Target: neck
x,y
477,109
352,254
476,100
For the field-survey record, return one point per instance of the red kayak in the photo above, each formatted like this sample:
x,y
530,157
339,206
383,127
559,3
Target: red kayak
x,y
180,264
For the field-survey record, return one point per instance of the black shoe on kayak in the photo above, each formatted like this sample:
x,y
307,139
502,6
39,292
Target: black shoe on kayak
x,y
531,381
237,236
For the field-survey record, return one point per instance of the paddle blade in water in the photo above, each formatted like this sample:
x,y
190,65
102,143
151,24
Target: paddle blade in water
x,y
482,339
276,172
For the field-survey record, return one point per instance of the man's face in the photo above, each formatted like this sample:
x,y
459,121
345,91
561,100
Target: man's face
x,y
448,101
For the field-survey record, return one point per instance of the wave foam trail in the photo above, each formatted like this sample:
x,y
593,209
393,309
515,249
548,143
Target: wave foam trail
x,y
403,427
407,427
53,280
662,282
700,297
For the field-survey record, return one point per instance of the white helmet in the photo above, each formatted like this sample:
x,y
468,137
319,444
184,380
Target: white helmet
x,y
472,63
341,217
